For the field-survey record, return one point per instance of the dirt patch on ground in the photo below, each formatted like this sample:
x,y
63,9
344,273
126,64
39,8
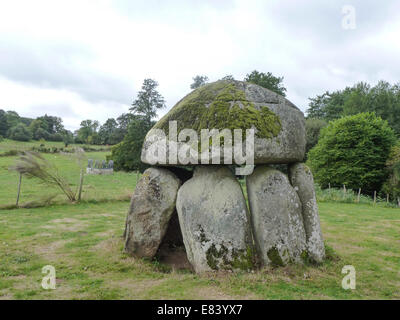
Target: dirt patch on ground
x,y
108,234
19,277
137,285
110,245
66,224
174,257
135,289
48,251
7,296
214,294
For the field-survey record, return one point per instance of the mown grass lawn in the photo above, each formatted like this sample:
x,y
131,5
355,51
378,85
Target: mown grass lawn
x,y
83,242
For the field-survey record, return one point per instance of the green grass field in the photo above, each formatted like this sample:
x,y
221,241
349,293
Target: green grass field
x,y
83,242
8,145
96,187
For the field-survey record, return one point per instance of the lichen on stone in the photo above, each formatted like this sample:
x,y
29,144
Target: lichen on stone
x,y
225,259
221,105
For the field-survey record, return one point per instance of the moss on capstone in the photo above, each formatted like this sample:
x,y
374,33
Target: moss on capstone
x,y
221,105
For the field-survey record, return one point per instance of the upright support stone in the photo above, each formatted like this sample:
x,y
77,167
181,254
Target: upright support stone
x,y
303,182
152,206
214,221
276,217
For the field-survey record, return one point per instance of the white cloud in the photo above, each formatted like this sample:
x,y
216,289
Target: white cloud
x,y
87,59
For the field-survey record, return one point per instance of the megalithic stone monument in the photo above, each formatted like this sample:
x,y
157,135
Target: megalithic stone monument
x,y
217,131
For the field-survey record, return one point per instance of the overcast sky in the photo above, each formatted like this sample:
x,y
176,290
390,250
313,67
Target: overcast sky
x,y
87,59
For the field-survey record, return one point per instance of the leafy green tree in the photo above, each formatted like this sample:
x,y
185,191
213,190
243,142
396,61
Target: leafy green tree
x,y
383,99
88,128
108,132
392,185
40,133
124,120
126,154
39,127
328,106
3,123
353,151
198,81
13,118
313,129
49,123
267,80
67,138
20,132
148,101
56,137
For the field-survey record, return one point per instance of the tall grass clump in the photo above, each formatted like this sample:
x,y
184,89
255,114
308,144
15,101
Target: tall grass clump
x,y
33,165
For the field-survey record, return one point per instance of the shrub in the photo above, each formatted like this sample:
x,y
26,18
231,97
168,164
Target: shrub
x,y
313,129
34,165
20,132
56,137
41,134
9,153
126,154
392,185
353,151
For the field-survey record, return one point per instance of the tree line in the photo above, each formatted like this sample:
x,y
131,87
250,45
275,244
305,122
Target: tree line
x,y
353,138
51,128
46,127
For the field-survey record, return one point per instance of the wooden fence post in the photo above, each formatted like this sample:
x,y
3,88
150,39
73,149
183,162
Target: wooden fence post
x,y
358,196
80,184
344,188
19,188
387,197
374,197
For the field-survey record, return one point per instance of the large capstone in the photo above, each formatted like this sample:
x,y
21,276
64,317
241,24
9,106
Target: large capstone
x,y
279,129
276,216
303,182
214,221
152,206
